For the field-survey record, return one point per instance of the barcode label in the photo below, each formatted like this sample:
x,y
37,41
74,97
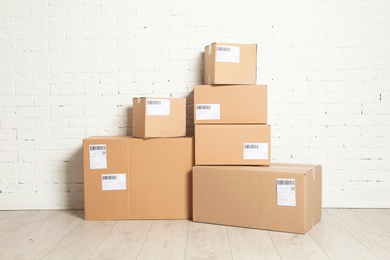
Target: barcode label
x,y
158,107
154,102
97,156
228,54
109,177
286,192
203,107
207,112
97,147
219,48
114,181
251,146
286,182
255,151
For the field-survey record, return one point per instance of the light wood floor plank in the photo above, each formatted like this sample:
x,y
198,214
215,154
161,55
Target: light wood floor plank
x,y
124,241
13,232
38,243
369,233
251,244
35,216
166,239
208,241
82,241
294,245
336,242
7,216
379,216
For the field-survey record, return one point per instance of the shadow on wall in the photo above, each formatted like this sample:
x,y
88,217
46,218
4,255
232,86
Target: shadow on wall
x,y
75,195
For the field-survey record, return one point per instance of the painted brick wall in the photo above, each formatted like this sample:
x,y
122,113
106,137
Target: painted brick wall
x,y
70,68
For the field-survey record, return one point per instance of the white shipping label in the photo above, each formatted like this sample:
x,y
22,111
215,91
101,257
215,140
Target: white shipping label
x,y
285,189
114,181
97,156
158,107
228,54
208,112
255,151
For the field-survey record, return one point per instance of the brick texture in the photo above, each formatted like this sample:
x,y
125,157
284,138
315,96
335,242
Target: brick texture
x,y
69,70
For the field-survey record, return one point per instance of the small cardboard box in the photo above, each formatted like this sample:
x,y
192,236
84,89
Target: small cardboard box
x,y
159,117
230,63
230,104
133,178
232,144
284,198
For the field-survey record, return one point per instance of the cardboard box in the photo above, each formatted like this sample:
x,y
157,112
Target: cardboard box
x,y
161,178
132,178
282,198
106,178
159,117
232,144
230,63
230,104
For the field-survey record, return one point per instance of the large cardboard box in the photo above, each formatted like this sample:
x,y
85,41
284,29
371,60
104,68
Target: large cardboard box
x,y
230,104
159,117
133,178
282,198
230,63
232,144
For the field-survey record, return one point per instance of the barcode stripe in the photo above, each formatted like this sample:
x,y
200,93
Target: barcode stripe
x,y
251,146
228,49
109,177
154,102
203,107
286,182
97,147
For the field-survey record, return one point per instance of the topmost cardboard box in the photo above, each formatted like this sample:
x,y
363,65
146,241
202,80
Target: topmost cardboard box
x,y
229,63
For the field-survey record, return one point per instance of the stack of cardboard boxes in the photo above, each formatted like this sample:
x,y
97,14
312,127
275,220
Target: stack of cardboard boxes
x,y
151,175
233,181
146,176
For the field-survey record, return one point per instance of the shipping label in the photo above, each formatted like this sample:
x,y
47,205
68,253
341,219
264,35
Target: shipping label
x,y
158,107
228,54
208,112
285,189
114,181
255,151
97,156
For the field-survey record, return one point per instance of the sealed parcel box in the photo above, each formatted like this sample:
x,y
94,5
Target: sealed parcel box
x,y
161,177
232,144
159,117
230,63
230,104
133,178
284,198
106,178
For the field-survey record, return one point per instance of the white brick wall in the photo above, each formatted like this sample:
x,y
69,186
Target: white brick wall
x,y
69,70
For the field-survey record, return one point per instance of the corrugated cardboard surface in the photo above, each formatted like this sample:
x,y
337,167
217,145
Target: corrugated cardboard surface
x,y
246,196
161,178
158,174
99,204
149,126
242,72
223,144
239,104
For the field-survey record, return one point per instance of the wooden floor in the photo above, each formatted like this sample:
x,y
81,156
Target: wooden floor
x,y
341,234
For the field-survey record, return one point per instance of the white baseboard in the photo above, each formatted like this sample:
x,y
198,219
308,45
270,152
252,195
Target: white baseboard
x,y
41,201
